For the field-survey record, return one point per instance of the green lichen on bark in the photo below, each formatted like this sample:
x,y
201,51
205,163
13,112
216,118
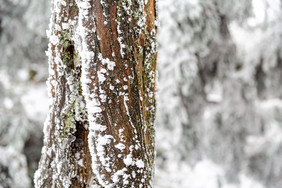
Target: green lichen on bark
x,y
75,111
69,122
71,69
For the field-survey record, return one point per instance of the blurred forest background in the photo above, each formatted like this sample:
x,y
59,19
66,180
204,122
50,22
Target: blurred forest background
x,y
219,118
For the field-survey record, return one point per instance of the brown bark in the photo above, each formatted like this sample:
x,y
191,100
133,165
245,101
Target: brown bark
x,y
122,32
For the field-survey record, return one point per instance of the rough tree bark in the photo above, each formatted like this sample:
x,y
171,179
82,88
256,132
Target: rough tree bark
x,y
100,127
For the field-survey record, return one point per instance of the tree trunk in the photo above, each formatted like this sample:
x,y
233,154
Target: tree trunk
x,y
100,126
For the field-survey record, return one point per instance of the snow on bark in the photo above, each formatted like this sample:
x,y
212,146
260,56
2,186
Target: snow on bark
x,y
107,91
102,59
57,167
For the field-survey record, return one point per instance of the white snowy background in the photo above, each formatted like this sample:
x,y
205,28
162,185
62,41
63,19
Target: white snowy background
x,y
219,118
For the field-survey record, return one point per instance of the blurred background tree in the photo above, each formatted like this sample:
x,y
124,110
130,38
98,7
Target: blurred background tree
x,y
23,96
220,93
219,106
